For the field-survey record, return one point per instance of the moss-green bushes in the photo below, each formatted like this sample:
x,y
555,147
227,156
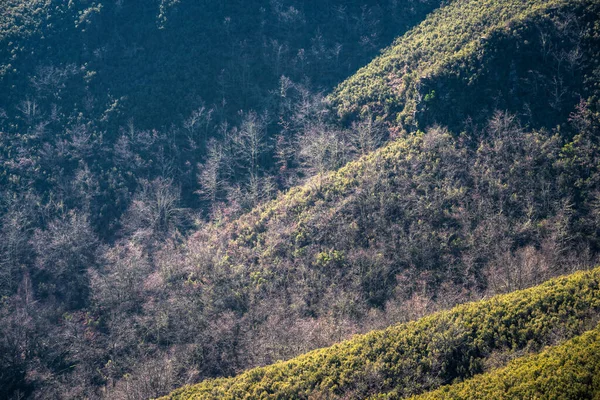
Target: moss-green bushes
x,y
472,57
419,356
568,371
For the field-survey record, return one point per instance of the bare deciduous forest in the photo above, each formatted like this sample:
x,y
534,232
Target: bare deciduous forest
x,y
191,189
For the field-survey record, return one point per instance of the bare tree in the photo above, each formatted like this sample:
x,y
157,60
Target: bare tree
x,y
65,251
198,125
253,192
249,142
118,287
322,148
16,228
155,210
366,136
210,176
152,377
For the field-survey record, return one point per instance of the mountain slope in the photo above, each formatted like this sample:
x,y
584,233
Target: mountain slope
x,y
431,219
534,59
420,356
426,213
488,184
568,371
156,61
129,90
424,223
340,212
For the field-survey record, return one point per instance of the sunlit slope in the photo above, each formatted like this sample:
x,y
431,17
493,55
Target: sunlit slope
x,y
420,356
424,210
533,58
568,371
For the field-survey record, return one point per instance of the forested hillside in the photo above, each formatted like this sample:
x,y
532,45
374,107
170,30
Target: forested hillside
x,y
569,371
443,348
99,97
186,192
532,59
157,61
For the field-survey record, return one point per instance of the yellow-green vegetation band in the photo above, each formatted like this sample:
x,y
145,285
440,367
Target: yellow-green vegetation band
x,y
568,371
420,356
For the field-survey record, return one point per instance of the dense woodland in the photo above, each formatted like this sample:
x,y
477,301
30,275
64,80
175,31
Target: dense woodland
x,y
189,189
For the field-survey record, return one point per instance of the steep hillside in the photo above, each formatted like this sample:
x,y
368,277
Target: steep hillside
x,y
462,163
533,59
422,224
430,220
419,356
98,97
569,371
421,211
497,207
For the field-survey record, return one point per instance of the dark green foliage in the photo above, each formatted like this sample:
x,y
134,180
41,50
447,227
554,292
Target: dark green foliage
x,y
419,356
155,61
